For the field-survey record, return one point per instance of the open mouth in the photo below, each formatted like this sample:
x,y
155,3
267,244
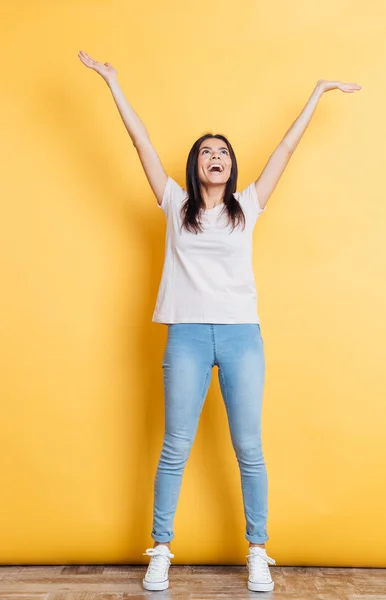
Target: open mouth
x,y
216,169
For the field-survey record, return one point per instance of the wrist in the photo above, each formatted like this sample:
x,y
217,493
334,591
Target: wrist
x,y
111,81
319,88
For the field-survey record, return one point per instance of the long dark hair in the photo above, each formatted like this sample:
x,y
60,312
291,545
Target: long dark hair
x,y
191,209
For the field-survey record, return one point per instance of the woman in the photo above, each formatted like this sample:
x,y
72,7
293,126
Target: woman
x,y
207,297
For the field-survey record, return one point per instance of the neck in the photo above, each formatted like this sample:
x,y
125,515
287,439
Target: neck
x,y
213,195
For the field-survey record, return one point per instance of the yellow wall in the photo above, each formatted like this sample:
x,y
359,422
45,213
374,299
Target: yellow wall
x,y
82,246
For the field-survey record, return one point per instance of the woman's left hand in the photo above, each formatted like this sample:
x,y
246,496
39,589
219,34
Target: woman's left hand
x,y
326,86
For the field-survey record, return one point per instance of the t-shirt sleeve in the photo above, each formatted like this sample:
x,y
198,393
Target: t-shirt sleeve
x,y
173,196
249,201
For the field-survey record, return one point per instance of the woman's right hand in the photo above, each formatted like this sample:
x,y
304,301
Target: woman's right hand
x,y
106,71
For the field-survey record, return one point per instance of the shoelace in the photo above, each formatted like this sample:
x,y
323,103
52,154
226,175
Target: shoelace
x,y
159,561
257,563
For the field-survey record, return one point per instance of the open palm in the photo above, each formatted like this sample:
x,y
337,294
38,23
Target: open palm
x,y
106,70
339,85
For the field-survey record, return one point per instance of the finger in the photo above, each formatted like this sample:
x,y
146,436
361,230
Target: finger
x,y
89,61
89,57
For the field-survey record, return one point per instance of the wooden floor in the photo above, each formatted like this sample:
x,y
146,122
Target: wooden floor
x,y
121,582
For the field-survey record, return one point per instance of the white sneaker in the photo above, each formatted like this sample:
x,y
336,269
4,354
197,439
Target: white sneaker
x,y
259,579
156,577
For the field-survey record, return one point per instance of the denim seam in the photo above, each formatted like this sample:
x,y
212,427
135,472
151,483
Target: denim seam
x,y
214,346
225,397
204,386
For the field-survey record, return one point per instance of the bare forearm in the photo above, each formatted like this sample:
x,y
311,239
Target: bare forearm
x,y
295,132
133,123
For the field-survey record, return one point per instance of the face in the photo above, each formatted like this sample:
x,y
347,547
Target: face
x,y
214,151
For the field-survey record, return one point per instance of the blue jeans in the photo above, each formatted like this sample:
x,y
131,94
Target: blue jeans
x,y
192,349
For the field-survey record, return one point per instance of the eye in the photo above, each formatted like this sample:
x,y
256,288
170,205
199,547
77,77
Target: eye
x,y
206,150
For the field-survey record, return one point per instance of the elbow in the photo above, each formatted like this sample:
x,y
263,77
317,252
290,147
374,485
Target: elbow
x,y
140,141
289,149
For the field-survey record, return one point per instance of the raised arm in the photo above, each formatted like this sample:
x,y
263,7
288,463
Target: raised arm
x,y
278,160
149,158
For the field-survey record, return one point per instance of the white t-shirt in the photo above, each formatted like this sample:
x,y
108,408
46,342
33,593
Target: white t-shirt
x,y
207,277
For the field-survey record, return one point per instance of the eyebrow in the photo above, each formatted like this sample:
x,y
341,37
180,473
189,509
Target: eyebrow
x,y
209,148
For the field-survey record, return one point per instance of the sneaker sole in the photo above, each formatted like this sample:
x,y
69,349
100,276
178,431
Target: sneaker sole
x,y
261,587
155,585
